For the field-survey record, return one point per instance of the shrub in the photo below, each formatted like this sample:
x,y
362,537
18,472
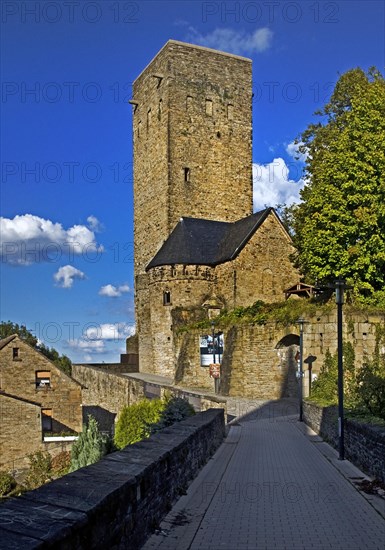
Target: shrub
x,y
135,420
90,447
39,469
7,483
371,388
176,409
61,463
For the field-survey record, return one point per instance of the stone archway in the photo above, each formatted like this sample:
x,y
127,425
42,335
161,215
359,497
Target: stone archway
x,y
286,349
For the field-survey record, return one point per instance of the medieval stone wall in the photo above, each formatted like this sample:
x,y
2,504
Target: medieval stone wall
x,y
106,393
63,396
259,361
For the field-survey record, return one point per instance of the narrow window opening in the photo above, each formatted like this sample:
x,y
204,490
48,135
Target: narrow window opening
x,y
46,420
188,103
187,175
166,298
139,128
160,109
209,107
149,118
15,353
43,379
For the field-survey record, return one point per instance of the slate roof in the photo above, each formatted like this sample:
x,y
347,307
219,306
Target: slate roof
x,y
197,241
6,340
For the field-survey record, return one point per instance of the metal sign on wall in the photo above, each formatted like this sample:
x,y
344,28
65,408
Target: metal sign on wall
x,y
210,353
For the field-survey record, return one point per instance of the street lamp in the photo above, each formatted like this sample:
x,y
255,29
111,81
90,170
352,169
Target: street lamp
x,y
301,322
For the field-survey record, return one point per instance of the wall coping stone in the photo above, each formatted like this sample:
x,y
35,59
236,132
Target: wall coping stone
x,y
118,501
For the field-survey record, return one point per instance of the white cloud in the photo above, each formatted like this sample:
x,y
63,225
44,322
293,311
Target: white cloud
x,y
87,346
272,186
108,331
292,149
66,275
230,40
94,338
94,224
113,291
28,239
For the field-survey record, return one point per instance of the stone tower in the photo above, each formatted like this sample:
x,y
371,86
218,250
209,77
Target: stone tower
x,y
192,142
192,156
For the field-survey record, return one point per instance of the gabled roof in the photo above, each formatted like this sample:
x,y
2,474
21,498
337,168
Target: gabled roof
x,y
6,340
205,242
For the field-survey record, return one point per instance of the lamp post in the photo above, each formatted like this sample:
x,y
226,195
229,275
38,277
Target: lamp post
x,y
301,323
340,286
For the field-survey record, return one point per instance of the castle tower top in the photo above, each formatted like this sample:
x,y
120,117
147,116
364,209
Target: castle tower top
x,y
192,142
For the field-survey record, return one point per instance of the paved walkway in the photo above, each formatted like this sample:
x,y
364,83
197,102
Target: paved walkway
x,y
273,484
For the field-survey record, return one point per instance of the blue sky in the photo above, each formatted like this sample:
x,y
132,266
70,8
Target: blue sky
x,y
66,147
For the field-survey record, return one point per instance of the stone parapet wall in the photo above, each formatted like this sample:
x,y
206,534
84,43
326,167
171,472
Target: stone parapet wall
x,y
364,444
106,393
119,501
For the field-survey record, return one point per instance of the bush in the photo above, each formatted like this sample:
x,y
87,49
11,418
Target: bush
x,y
135,420
39,469
176,409
371,389
7,483
61,463
90,447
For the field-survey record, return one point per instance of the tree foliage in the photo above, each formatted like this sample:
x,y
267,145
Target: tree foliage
x,y
339,227
135,420
364,387
90,446
61,361
140,420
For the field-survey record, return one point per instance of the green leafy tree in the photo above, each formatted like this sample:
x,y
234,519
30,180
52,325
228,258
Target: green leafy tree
x,y
339,227
61,361
134,423
90,447
7,328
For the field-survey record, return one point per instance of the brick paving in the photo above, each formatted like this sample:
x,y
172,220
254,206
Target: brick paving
x,y
273,484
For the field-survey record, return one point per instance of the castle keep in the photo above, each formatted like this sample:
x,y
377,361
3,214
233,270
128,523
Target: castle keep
x,y
197,243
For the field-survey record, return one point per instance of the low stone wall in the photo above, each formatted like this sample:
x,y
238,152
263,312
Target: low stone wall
x,y
117,502
364,444
105,393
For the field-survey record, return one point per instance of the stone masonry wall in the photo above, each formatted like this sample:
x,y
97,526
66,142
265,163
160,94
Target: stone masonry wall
x,y
257,361
119,501
364,444
106,393
20,430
